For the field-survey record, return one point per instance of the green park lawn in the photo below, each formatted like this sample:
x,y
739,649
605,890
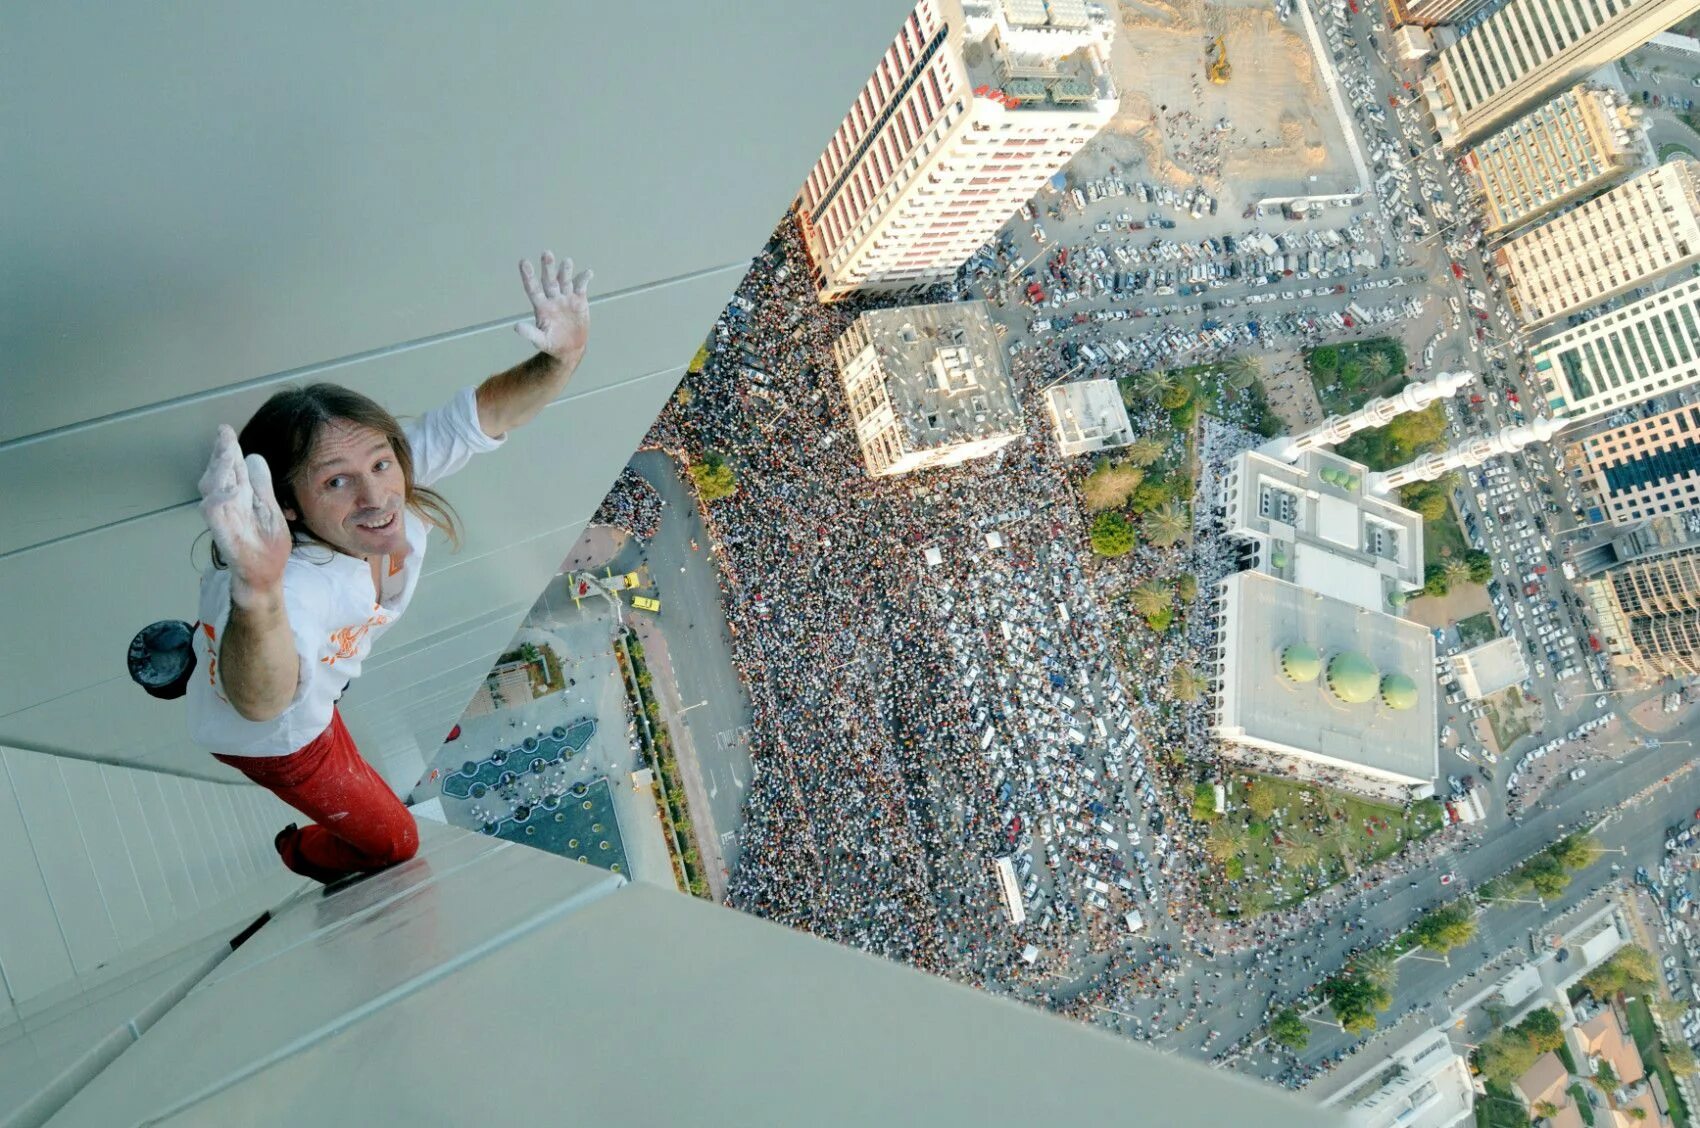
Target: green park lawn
x,y
1343,374
1365,831
1477,629
1646,1034
1443,539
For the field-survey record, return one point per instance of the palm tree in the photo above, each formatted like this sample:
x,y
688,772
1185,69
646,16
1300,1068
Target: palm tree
x,y
1226,840
1299,853
1151,598
1378,966
1186,683
1379,365
1144,451
1242,371
1152,383
1457,572
1166,524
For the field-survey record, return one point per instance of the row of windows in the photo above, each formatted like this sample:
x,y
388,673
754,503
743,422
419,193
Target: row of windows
x,y
1515,40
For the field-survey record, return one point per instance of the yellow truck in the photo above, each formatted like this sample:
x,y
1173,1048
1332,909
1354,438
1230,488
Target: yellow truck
x,y
644,603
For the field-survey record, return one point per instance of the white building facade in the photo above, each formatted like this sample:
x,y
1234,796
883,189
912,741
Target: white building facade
x,y
1578,142
1645,348
1625,238
1529,48
976,104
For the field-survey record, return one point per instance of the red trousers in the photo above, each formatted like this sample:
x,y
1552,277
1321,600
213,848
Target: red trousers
x,y
358,823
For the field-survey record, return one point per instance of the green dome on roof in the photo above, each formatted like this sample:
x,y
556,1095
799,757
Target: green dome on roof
x,y
1300,662
1398,692
1351,677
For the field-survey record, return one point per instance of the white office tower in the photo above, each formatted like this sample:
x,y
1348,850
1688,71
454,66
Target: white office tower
x,y
1645,348
1528,49
1577,143
974,107
1626,238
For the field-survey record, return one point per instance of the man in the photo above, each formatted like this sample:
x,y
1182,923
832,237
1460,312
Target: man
x,y
308,574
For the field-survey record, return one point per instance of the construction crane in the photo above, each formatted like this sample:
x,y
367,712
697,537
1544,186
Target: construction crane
x,y
1220,69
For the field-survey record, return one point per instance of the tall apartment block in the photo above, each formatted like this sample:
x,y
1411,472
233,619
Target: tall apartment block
x,y
1629,236
1645,468
1658,603
927,386
1529,48
1431,13
974,107
1647,347
1575,144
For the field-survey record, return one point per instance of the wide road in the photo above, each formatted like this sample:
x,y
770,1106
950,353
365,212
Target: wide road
x,y
716,710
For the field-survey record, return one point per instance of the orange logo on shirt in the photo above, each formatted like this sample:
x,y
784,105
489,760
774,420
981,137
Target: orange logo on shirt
x,y
347,639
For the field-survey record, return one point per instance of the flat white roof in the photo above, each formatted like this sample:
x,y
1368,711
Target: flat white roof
x,y
1260,706
1337,521
1341,577
1490,667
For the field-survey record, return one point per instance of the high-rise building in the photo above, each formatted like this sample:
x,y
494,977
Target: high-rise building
x,y
1529,48
974,107
1647,347
1626,238
1645,468
1430,13
1575,144
1658,601
927,386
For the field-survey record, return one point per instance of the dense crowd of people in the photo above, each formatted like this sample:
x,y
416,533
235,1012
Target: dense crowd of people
x,y
633,505
915,721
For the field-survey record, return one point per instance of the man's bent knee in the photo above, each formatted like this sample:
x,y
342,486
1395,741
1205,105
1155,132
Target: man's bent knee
x,y
406,841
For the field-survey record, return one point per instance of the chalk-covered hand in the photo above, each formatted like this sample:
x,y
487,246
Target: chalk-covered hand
x,y
560,306
246,522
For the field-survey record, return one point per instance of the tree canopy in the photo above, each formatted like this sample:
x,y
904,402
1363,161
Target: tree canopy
x,y
1112,535
1631,969
1288,1029
714,477
1444,929
1355,1000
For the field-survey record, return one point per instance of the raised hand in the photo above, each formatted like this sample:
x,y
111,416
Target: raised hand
x,y
246,522
560,308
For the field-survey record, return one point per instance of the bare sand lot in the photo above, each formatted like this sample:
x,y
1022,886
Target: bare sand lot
x,y
1266,131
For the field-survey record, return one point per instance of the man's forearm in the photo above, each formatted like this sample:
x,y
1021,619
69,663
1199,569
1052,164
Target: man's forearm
x,y
257,663
513,398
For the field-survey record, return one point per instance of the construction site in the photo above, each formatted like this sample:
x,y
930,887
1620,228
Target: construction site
x,y
1225,96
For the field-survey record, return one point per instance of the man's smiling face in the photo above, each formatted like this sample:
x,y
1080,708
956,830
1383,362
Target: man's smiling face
x,y
352,491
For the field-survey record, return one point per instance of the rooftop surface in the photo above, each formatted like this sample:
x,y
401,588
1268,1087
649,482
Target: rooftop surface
x,y
944,371
1036,55
1263,616
1325,531
1088,415
1490,667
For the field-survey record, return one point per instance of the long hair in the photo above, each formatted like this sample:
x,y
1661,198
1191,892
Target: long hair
x,y
287,425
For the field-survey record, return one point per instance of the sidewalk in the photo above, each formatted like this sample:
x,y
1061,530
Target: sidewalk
x,y
690,767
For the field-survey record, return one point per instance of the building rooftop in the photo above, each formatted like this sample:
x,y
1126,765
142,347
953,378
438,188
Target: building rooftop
x,y
1603,1036
1546,1080
1486,669
1039,55
1322,530
944,372
1371,704
1088,416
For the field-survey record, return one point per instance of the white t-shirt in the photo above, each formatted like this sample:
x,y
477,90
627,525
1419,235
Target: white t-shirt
x,y
328,598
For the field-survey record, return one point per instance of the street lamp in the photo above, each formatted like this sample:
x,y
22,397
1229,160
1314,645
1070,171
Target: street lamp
x,y
698,705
